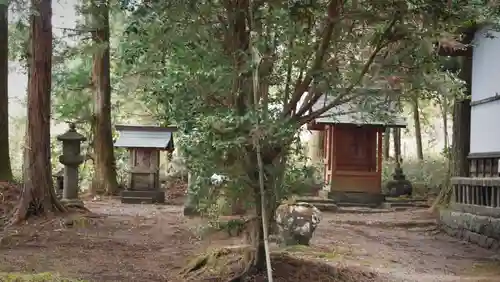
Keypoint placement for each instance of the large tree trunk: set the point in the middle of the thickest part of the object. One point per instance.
(104, 162)
(38, 196)
(271, 157)
(418, 129)
(5, 167)
(461, 123)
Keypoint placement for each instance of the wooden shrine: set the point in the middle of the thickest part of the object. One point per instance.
(144, 144)
(353, 150)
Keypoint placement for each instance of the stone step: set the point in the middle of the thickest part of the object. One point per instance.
(354, 205)
(138, 197)
(326, 207)
(315, 201)
(405, 204)
(137, 200)
(328, 203)
(130, 193)
(403, 200)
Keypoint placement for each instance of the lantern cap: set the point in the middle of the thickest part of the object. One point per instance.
(71, 135)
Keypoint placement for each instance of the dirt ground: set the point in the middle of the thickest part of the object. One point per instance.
(143, 243)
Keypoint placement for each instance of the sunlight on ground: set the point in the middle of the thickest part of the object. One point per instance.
(40, 277)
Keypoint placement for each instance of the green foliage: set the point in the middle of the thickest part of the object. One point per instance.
(71, 90)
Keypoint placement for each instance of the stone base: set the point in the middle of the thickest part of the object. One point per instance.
(143, 197)
(398, 188)
(480, 230)
(356, 198)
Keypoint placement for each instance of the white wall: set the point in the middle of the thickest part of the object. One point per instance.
(486, 65)
(485, 134)
(485, 131)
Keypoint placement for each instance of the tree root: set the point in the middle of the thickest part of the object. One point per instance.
(230, 263)
(29, 206)
(78, 207)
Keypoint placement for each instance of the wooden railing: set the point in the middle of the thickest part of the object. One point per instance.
(484, 165)
(476, 191)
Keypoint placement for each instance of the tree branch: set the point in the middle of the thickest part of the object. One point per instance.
(341, 98)
(333, 13)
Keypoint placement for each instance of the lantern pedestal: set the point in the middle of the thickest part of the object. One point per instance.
(71, 159)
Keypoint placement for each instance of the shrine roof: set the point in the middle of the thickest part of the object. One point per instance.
(372, 108)
(134, 136)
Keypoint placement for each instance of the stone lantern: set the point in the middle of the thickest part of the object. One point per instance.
(71, 159)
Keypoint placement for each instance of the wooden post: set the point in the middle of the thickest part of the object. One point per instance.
(487, 168)
(498, 196)
(333, 152)
(379, 155)
(467, 195)
(328, 148)
(131, 164)
(454, 193)
(463, 193)
(476, 195)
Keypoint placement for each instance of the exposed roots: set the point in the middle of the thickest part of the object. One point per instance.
(76, 206)
(226, 263)
(231, 263)
(29, 205)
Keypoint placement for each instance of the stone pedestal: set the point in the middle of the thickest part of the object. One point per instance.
(71, 189)
(71, 159)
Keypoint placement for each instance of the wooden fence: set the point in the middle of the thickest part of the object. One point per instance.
(484, 191)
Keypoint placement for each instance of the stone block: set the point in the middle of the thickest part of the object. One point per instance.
(485, 225)
(143, 197)
(361, 198)
(479, 230)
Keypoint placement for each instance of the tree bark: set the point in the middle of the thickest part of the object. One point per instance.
(461, 122)
(38, 195)
(5, 166)
(387, 143)
(269, 159)
(418, 129)
(104, 163)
